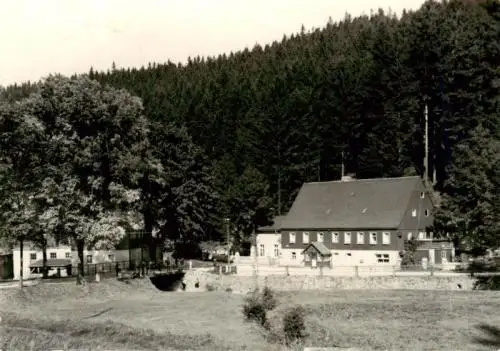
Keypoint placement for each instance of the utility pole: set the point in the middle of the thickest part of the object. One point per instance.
(255, 253)
(21, 268)
(129, 250)
(256, 259)
(279, 180)
(426, 172)
(426, 145)
(228, 245)
(434, 172)
(279, 192)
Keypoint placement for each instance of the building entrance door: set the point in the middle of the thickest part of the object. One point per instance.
(444, 257)
(432, 256)
(314, 259)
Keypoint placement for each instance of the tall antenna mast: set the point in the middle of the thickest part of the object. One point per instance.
(279, 180)
(426, 152)
(434, 171)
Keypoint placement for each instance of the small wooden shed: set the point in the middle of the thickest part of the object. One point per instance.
(316, 254)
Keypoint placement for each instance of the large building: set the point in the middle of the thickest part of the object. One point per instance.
(361, 222)
(60, 257)
(269, 249)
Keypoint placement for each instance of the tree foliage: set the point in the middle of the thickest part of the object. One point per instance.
(288, 110)
(78, 166)
(69, 151)
(470, 205)
(177, 191)
(249, 202)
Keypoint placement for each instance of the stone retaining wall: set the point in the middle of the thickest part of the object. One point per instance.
(241, 284)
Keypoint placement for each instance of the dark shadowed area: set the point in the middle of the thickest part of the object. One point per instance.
(168, 281)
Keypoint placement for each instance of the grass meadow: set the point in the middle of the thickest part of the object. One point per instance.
(117, 315)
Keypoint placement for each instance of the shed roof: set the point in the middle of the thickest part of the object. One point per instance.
(319, 247)
(52, 262)
(364, 203)
(277, 222)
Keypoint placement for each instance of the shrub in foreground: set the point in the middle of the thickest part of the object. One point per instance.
(257, 305)
(268, 299)
(254, 310)
(487, 283)
(294, 325)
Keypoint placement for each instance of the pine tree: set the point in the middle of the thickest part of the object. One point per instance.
(251, 207)
(177, 189)
(357, 86)
(470, 204)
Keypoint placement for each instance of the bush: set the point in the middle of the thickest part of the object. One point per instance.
(268, 299)
(487, 283)
(254, 309)
(257, 305)
(294, 325)
(481, 265)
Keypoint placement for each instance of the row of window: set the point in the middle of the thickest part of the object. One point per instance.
(381, 258)
(67, 255)
(52, 255)
(421, 236)
(360, 238)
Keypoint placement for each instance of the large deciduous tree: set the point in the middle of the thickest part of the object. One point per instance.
(97, 137)
(90, 145)
(21, 139)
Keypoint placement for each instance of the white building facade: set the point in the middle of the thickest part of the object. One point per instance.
(33, 254)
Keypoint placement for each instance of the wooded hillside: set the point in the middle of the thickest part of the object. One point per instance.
(270, 118)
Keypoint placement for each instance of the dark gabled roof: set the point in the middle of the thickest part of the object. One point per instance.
(320, 248)
(277, 221)
(51, 262)
(365, 203)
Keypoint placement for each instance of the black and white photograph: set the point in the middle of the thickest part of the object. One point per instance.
(280, 175)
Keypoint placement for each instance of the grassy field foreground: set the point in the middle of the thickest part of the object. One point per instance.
(115, 315)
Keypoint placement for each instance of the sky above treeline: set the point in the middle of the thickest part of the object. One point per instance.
(69, 36)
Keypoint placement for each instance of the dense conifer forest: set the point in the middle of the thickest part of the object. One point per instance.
(269, 118)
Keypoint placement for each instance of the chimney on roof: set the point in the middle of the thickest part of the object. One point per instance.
(345, 177)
